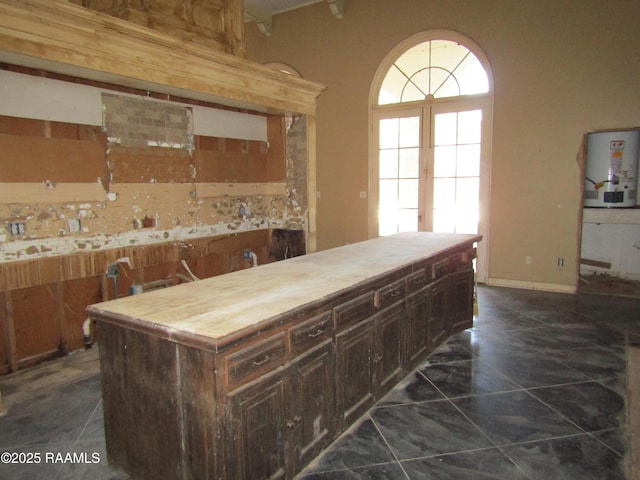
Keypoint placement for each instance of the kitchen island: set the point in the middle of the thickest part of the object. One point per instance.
(250, 375)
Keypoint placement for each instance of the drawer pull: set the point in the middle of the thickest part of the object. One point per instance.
(317, 333)
(291, 423)
(264, 360)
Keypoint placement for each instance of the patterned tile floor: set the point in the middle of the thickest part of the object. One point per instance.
(536, 390)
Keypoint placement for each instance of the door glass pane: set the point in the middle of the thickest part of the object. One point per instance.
(444, 162)
(399, 169)
(408, 193)
(389, 133)
(407, 220)
(444, 193)
(469, 127)
(388, 194)
(409, 133)
(445, 133)
(443, 221)
(388, 167)
(466, 194)
(456, 171)
(409, 163)
(387, 221)
(468, 160)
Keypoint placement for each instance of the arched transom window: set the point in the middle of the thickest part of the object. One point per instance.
(437, 68)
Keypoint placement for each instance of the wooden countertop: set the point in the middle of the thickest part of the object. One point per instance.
(224, 305)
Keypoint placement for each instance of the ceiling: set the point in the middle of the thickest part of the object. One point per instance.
(274, 7)
(262, 11)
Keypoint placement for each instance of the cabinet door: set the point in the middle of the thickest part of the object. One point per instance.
(390, 324)
(313, 384)
(417, 341)
(257, 422)
(461, 300)
(439, 318)
(354, 373)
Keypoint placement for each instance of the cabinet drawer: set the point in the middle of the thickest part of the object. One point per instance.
(441, 268)
(256, 359)
(417, 280)
(310, 332)
(390, 294)
(354, 310)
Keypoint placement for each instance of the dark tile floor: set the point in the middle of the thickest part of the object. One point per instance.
(535, 391)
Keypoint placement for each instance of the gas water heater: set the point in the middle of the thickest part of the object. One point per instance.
(611, 178)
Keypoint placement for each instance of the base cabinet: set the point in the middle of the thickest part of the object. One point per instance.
(418, 344)
(313, 403)
(354, 372)
(388, 348)
(284, 420)
(461, 300)
(276, 399)
(439, 316)
(258, 422)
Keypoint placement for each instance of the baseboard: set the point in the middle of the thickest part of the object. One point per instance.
(547, 287)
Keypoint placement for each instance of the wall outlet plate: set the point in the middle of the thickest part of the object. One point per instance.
(17, 228)
(74, 225)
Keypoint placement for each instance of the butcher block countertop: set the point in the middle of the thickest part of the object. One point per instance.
(222, 307)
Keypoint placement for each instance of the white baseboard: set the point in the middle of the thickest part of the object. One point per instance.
(547, 287)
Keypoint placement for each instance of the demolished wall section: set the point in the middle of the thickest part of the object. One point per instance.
(75, 198)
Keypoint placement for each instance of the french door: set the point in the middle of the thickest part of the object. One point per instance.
(432, 168)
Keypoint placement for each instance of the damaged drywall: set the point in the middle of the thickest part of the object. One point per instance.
(156, 180)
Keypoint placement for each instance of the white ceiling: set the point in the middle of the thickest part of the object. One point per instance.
(262, 11)
(277, 6)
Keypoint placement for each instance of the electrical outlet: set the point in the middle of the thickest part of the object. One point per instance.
(73, 224)
(527, 259)
(18, 228)
(560, 262)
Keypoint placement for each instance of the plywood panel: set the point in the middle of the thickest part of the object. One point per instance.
(231, 160)
(77, 294)
(19, 192)
(153, 164)
(35, 159)
(35, 313)
(21, 126)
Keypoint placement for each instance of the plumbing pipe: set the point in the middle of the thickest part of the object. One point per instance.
(248, 254)
(86, 333)
(186, 266)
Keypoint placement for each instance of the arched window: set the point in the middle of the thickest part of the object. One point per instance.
(436, 68)
(430, 106)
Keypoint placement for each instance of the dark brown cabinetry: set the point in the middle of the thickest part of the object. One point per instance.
(283, 390)
(354, 374)
(313, 403)
(258, 424)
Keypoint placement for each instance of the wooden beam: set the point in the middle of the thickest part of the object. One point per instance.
(58, 36)
(595, 263)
